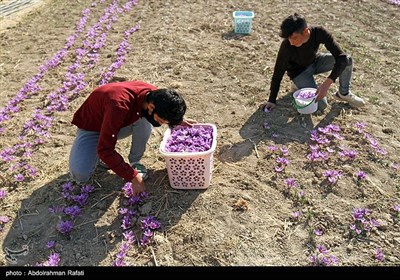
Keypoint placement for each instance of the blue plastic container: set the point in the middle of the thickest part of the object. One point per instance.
(243, 21)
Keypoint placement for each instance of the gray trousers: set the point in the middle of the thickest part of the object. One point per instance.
(83, 157)
(324, 64)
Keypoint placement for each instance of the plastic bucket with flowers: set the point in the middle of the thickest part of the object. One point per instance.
(188, 153)
(305, 100)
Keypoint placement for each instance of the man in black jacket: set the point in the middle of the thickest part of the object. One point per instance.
(298, 56)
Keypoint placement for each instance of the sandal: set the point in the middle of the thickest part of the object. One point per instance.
(141, 169)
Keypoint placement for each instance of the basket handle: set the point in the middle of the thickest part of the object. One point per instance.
(301, 107)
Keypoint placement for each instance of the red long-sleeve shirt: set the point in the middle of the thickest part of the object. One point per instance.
(109, 108)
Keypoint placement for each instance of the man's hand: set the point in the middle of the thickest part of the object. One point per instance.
(188, 122)
(322, 90)
(267, 106)
(138, 185)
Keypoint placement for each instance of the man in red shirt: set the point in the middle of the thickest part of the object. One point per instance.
(115, 111)
(298, 56)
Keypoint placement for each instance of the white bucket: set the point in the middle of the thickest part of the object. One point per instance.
(305, 105)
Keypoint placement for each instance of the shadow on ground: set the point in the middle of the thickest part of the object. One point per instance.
(97, 231)
(283, 125)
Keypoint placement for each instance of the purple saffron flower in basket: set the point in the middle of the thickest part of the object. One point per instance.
(306, 94)
(190, 139)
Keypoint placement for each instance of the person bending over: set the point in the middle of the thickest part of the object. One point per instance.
(298, 56)
(115, 111)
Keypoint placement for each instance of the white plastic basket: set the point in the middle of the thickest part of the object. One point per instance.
(189, 170)
(243, 21)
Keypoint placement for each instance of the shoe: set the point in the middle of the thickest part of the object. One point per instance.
(103, 165)
(350, 98)
(141, 169)
(322, 104)
(293, 87)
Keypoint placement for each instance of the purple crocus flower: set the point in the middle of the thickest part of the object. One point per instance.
(81, 198)
(332, 175)
(296, 214)
(151, 223)
(4, 219)
(3, 193)
(361, 175)
(67, 187)
(360, 127)
(322, 249)
(50, 244)
(65, 226)
(284, 150)
(266, 125)
(54, 259)
(282, 160)
(19, 177)
(379, 255)
(87, 189)
(73, 211)
(272, 148)
(395, 166)
(279, 169)
(290, 182)
(318, 232)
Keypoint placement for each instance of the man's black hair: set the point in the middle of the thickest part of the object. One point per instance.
(169, 105)
(292, 24)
